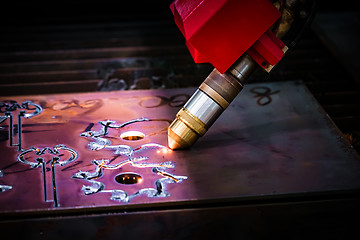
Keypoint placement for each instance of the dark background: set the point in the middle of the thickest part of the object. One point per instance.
(83, 46)
(75, 46)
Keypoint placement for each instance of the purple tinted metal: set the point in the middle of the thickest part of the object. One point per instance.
(286, 146)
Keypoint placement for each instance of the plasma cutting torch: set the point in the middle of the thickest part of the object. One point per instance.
(237, 37)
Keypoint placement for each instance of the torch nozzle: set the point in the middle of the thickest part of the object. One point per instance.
(208, 102)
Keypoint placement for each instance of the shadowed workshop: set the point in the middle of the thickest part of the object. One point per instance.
(179, 119)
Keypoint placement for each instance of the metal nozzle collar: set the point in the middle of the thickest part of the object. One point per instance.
(193, 120)
(202, 109)
(208, 102)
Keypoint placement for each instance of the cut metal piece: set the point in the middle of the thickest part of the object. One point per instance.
(39, 161)
(286, 149)
(7, 107)
(131, 178)
(104, 143)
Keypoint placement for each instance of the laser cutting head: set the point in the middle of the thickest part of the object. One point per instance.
(235, 37)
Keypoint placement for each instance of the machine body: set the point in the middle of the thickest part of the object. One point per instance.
(234, 37)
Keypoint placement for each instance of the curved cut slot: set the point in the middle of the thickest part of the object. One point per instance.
(132, 135)
(128, 178)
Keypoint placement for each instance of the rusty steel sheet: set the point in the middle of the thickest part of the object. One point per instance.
(273, 140)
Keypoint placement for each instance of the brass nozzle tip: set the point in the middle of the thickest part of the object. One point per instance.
(173, 144)
(180, 136)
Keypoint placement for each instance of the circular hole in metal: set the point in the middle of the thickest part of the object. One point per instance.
(132, 135)
(128, 178)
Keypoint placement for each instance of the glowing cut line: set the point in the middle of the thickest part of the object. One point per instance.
(100, 142)
(121, 195)
(133, 162)
(102, 164)
(103, 143)
(165, 174)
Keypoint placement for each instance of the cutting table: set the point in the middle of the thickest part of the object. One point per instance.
(97, 165)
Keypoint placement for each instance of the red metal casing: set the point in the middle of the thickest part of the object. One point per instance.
(220, 31)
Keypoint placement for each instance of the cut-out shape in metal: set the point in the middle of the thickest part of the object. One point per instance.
(103, 143)
(10, 106)
(132, 135)
(58, 151)
(128, 178)
(94, 188)
(158, 191)
(100, 142)
(120, 195)
(4, 188)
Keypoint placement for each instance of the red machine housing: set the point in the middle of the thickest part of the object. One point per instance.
(220, 31)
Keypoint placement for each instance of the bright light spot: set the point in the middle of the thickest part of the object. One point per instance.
(132, 135)
(164, 150)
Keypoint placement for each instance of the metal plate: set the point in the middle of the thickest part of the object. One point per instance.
(274, 139)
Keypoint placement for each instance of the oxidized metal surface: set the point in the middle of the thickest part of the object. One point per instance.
(273, 139)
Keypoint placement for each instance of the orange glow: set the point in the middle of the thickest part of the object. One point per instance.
(132, 135)
(164, 150)
(167, 175)
(117, 166)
